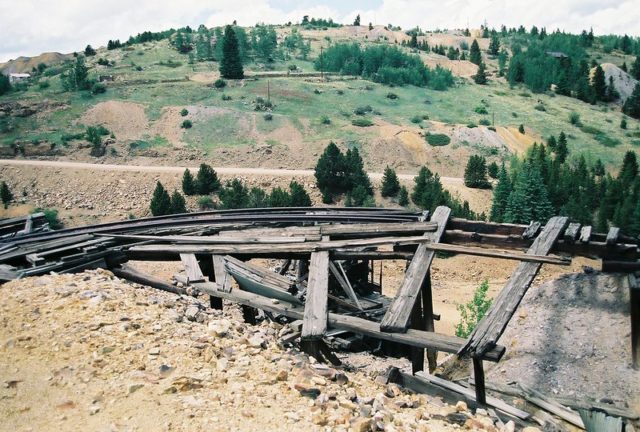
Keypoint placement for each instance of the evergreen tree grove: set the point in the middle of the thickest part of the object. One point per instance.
(631, 106)
(207, 180)
(500, 196)
(475, 173)
(231, 63)
(475, 56)
(599, 83)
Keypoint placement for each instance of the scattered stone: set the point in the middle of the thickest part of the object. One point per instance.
(154, 351)
(307, 390)
(282, 375)
(191, 313)
(135, 387)
(461, 406)
(94, 409)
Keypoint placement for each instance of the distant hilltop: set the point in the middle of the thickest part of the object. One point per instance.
(26, 64)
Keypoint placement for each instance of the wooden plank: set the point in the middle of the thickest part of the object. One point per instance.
(370, 255)
(192, 267)
(476, 251)
(491, 327)
(491, 401)
(315, 306)
(634, 302)
(428, 319)
(585, 234)
(532, 230)
(344, 283)
(478, 375)
(417, 323)
(612, 236)
(552, 406)
(397, 317)
(221, 275)
(572, 232)
(418, 338)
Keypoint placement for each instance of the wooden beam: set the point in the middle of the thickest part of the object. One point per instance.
(634, 301)
(585, 234)
(129, 273)
(315, 306)
(417, 338)
(478, 375)
(344, 283)
(192, 267)
(532, 230)
(612, 236)
(572, 232)
(221, 275)
(491, 327)
(476, 251)
(397, 317)
(428, 318)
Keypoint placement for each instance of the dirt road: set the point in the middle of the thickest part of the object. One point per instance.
(177, 169)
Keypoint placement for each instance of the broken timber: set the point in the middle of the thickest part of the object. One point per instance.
(397, 317)
(314, 324)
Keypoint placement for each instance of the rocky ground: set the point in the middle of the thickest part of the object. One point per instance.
(92, 352)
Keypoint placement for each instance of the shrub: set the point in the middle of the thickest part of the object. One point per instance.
(540, 107)
(362, 110)
(392, 96)
(416, 119)
(207, 180)
(226, 97)
(340, 92)
(325, 120)
(51, 215)
(206, 203)
(474, 311)
(403, 197)
(485, 122)
(481, 110)
(5, 194)
(438, 140)
(362, 122)
(472, 125)
(491, 128)
(220, 83)
(493, 170)
(623, 123)
(44, 85)
(390, 183)
(184, 112)
(574, 118)
(98, 88)
(268, 116)
(186, 124)
(521, 129)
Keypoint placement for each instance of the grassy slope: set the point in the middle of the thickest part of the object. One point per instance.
(296, 101)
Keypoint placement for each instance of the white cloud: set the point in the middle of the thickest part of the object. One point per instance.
(29, 27)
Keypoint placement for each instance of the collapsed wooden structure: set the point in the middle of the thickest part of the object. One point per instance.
(325, 277)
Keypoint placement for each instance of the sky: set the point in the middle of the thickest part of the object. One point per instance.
(30, 27)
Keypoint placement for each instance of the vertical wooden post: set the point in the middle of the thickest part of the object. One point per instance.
(634, 301)
(206, 265)
(478, 375)
(427, 311)
(417, 323)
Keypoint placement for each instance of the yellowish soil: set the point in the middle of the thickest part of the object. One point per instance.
(516, 142)
(126, 120)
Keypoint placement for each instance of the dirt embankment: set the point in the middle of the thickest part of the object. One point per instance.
(90, 352)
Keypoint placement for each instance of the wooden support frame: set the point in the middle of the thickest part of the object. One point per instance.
(314, 324)
(491, 327)
(397, 317)
(634, 300)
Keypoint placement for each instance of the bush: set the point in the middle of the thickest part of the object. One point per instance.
(184, 112)
(220, 83)
(521, 129)
(325, 120)
(472, 125)
(574, 118)
(540, 107)
(362, 110)
(44, 85)
(493, 170)
(438, 140)
(474, 311)
(51, 215)
(186, 124)
(226, 97)
(392, 96)
(98, 88)
(362, 122)
(485, 122)
(268, 116)
(416, 119)
(475, 173)
(623, 123)
(481, 110)
(206, 203)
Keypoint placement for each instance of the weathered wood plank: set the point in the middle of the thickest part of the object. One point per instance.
(397, 317)
(315, 306)
(129, 273)
(429, 318)
(634, 297)
(572, 232)
(585, 234)
(344, 283)
(192, 267)
(612, 236)
(222, 277)
(532, 230)
(417, 338)
(491, 327)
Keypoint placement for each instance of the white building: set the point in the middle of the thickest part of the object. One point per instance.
(16, 77)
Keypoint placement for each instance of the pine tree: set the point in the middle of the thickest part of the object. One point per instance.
(481, 76)
(475, 173)
(624, 67)
(403, 197)
(635, 68)
(414, 40)
(390, 183)
(207, 180)
(5, 84)
(529, 199)
(231, 63)
(299, 196)
(561, 150)
(629, 170)
(89, 51)
(500, 196)
(494, 45)
(474, 54)
(279, 198)
(356, 175)
(599, 84)
(493, 169)
(502, 62)
(188, 183)
(5, 194)
(235, 195)
(356, 22)
(178, 204)
(623, 123)
(161, 201)
(330, 172)
(632, 104)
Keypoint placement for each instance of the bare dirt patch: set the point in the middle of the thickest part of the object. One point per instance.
(126, 120)
(168, 126)
(516, 142)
